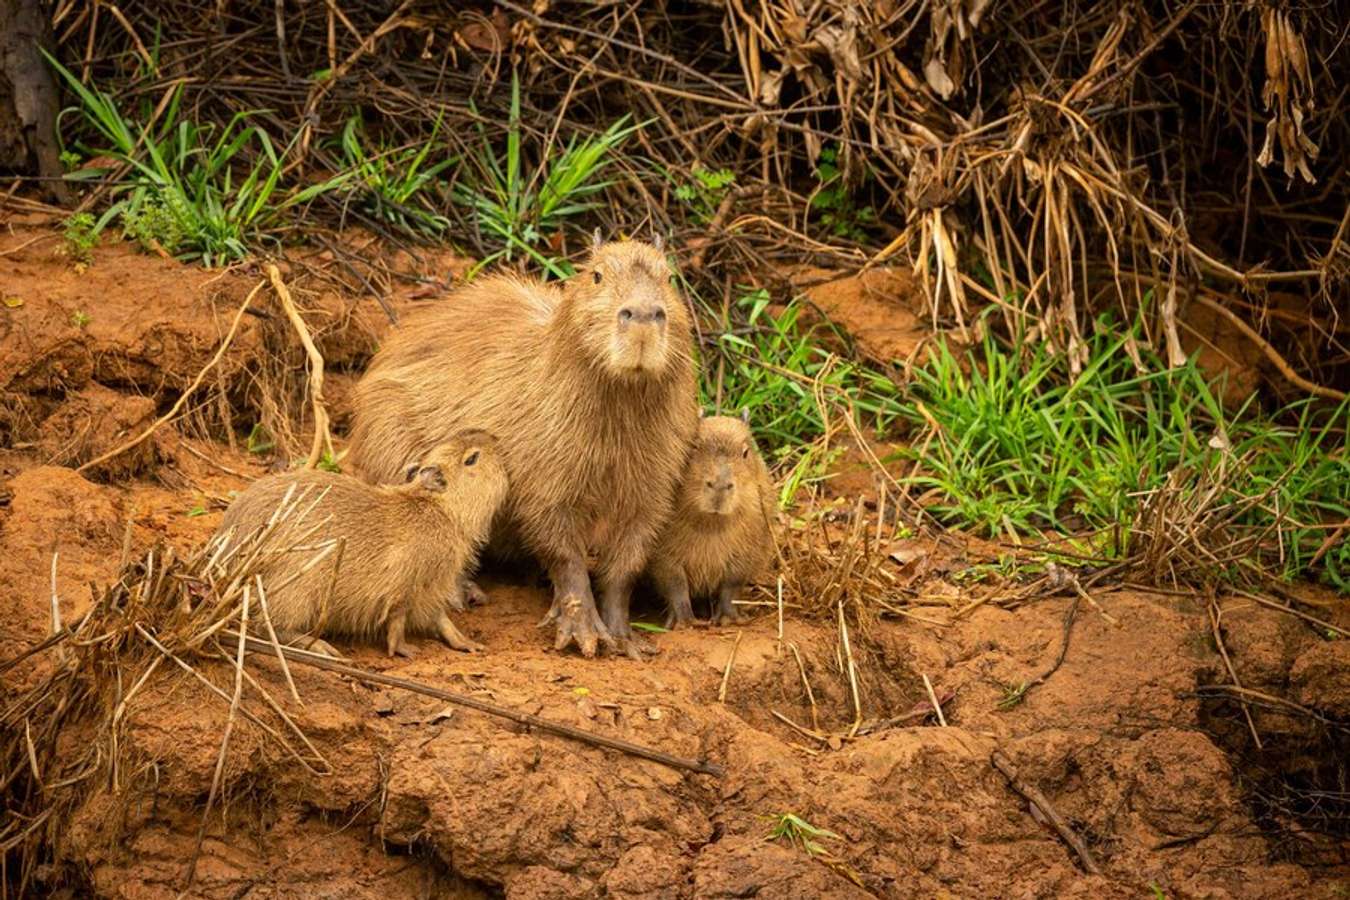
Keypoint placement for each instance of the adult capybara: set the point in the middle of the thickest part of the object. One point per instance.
(405, 548)
(720, 533)
(589, 386)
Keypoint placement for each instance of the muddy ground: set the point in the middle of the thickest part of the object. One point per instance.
(411, 798)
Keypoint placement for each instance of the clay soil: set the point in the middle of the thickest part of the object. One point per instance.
(414, 798)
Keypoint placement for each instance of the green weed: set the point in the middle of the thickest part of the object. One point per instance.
(258, 440)
(81, 236)
(396, 184)
(801, 833)
(518, 213)
(838, 211)
(1013, 448)
(1013, 695)
(705, 193)
(80, 319)
(195, 193)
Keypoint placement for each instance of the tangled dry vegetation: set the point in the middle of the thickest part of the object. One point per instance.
(1052, 159)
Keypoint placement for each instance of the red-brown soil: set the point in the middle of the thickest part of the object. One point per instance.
(416, 799)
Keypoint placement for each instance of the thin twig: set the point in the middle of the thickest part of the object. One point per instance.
(932, 698)
(1034, 796)
(329, 664)
(726, 673)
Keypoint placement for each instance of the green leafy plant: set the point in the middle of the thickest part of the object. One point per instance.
(396, 184)
(79, 319)
(258, 440)
(81, 236)
(800, 833)
(327, 463)
(1012, 447)
(195, 193)
(518, 213)
(834, 202)
(704, 194)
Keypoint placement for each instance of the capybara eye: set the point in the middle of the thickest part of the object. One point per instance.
(597, 276)
(625, 315)
(660, 315)
(471, 458)
(745, 452)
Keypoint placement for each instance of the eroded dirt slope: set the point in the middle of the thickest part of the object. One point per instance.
(410, 798)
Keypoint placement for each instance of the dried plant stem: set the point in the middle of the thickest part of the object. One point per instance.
(1270, 352)
(726, 674)
(932, 698)
(806, 683)
(272, 636)
(852, 670)
(322, 438)
(224, 741)
(1215, 614)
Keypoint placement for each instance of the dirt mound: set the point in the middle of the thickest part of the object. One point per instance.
(95, 421)
(879, 309)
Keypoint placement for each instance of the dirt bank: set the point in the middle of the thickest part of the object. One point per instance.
(404, 796)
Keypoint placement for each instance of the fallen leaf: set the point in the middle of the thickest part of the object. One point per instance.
(13, 302)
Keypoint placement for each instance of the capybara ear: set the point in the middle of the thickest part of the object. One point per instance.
(745, 414)
(659, 242)
(411, 473)
(431, 478)
(596, 239)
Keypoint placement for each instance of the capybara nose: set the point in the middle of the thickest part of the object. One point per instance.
(641, 315)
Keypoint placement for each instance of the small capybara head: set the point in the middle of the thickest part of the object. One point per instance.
(723, 468)
(466, 471)
(632, 321)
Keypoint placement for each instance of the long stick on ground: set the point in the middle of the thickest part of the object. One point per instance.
(322, 438)
(329, 664)
(183, 398)
(1035, 797)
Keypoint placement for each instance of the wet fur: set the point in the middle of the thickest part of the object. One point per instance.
(407, 545)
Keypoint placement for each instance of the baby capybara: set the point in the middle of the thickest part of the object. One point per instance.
(407, 546)
(589, 386)
(719, 534)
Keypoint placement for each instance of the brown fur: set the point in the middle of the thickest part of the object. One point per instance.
(590, 387)
(719, 536)
(407, 547)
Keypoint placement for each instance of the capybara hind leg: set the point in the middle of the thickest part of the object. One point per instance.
(726, 612)
(453, 637)
(395, 642)
(573, 610)
(674, 588)
(307, 642)
(473, 594)
(614, 602)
